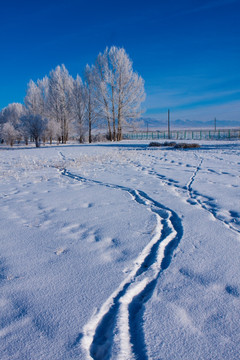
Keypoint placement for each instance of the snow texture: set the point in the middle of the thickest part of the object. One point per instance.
(120, 251)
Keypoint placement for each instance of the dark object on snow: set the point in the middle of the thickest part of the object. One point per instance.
(186, 146)
(154, 143)
(174, 145)
(169, 143)
(166, 143)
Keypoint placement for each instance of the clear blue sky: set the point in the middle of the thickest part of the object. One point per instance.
(187, 51)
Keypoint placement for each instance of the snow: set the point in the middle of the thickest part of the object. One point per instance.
(120, 251)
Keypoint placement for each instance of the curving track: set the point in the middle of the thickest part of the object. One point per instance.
(117, 326)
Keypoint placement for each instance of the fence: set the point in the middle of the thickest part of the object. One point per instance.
(220, 134)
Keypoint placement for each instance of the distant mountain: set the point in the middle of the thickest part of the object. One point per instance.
(153, 124)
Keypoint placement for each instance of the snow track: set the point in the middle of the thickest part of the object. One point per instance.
(189, 185)
(205, 202)
(193, 197)
(117, 326)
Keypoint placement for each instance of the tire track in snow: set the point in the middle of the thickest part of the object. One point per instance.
(117, 327)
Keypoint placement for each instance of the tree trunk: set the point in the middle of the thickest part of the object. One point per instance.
(81, 139)
(65, 130)
(113, 115)
(37, 142)
(90, 131)
(119, 133)
(109, 130)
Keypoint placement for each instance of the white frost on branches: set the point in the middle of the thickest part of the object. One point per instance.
(120, 89)
(110, 97)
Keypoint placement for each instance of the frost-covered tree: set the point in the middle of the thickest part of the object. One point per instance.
(129, 89)
(36, 97)
(43, 96)
(34, 126)
(9, 133)
(104, 95)
(78, 106)
(35, 103)
(112, 94)
(12, 114)
(120, 90)
(32, 98)
(10, 122)
(91, 112)
(60, 87)
(52, 130)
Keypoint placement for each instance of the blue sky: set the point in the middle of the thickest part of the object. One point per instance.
(187, 51)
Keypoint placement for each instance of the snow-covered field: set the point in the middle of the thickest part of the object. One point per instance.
(119, 251)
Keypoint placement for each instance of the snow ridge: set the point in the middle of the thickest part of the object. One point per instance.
(117, 326)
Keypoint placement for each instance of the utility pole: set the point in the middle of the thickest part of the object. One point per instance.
(147, 129)
(169, 124)
(215, 124)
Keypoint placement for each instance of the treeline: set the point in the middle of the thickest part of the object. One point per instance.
(59, 106)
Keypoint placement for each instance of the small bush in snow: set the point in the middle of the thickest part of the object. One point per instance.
(155, 144)
(166, 143)
(170, 143)
(186, 146)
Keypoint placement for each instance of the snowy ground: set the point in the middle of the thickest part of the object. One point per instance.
(120, 252)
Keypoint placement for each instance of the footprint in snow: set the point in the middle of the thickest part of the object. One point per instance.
(61, 250)
(232, 290)
(86, 205)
